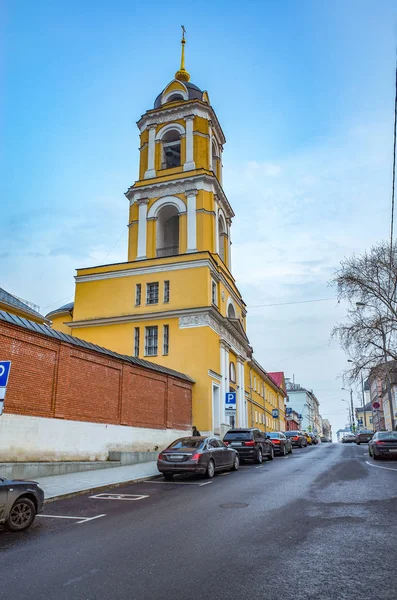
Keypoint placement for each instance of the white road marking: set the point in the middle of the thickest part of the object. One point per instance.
(223, 474)
(78, 519)
(109, 496)
(177, 482)
(261, 467)
(379, 467)
(205, 483)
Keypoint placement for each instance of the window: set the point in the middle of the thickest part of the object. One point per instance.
(136, 342)
(166, 291)
(167, 231)
(213, 444)
(175, 98)
(254, 383)
(231, 313)
(214, 293)
(171, 149)
(166, 338)
(232, 372)
(138, 293)
(151, 337)
(222, 237)
(152, 293)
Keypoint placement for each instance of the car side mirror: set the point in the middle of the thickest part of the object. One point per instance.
(268, 437)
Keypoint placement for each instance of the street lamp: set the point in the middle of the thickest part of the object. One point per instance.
(350, 413)
(388, 382)
(352, 409)
(362, 392)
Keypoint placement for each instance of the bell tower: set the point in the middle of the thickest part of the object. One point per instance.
(178, 205)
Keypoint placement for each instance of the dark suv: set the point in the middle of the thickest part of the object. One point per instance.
(251, 444)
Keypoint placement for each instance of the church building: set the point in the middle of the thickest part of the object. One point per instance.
(175, 301)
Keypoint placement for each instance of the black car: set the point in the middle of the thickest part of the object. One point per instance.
(197, 454)
(363, 436)
(281, 444)
(297, 438)
(251, 444)
(20, 501)
(383, 443)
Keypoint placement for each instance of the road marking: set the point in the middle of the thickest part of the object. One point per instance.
(223, 474)
(261, 467)
(78, 519)
(379, 467)
(205, 483)
(108, 496)
(177, 482)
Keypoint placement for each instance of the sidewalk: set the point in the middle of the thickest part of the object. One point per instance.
(56, 486)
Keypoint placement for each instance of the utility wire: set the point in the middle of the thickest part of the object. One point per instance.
(287, 303)
(394, 170)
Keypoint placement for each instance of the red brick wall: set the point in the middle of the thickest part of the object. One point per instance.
(50, 378)
(292, 425)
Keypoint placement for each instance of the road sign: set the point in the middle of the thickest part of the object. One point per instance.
(288, 410)
(375, 405)
(300, 417)
(309, 428)
(230, 404)
(5, 366)
(275, 413)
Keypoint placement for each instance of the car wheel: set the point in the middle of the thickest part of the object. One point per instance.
(290, 450)
(284, 452)
(301, 444)
(21, 515)
(236, 463)
(210, 470)
(259, 457)
(374, 456)
(271, 455)
(168, 476)
(358, 443)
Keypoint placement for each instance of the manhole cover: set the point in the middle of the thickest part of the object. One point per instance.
(234, 505)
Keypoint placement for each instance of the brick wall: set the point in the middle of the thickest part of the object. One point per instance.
(50, 378)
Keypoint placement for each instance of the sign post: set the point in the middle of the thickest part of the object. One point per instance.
(230, 404)
(5, 367)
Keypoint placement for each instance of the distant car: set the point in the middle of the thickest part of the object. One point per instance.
(349, 438)
(383, 443)
(281, 443)
(324, 439)
(20, 502)
(201, 455)
(363, 436)
(297, 438)
(308, 438)
(251, 444)
(314, 438)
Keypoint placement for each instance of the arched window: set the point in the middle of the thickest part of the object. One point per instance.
(171, 142)
(232, 372)
(175, 98)
(231, 313)
(222, 232)
(167, 238)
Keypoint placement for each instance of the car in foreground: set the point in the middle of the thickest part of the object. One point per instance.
(349, 438)
(197, 454)
(297, 438)
(20, 502)
(383, 443)
(363, 436)
(281, 444)
(250, 443)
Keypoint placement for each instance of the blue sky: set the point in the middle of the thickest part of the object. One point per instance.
(304, 92)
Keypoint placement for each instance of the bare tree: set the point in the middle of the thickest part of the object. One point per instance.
(368, 283)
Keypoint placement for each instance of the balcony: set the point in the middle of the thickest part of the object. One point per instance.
(167, 251)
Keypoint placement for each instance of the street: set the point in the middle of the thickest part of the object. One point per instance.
(319, 524)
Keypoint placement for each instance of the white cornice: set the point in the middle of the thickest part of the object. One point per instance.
(191, 264)
(201, 181)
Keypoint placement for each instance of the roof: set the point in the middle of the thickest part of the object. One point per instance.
(278, 378)
(367, 407)
(63, 337)
(194, 93)
(15, 302)
(65, 308)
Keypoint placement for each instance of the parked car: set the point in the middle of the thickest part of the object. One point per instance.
(297, 438)
(363, 436)
(251, 444)
(325, 440)
(20, 501)
(308, 438)
(281, 443)
(349, 438)
(314, 438)
(383, 443)
(198, 454)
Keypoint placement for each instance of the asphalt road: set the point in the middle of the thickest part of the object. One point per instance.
(320, 524)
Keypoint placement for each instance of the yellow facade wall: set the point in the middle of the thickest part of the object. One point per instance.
(58, 322)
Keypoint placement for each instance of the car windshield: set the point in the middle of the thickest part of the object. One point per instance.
(238, 435)
(193, 443)
(365, 431)
(291, 433)
(273, 434)
(388, 435)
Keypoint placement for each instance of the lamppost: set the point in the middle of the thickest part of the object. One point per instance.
(350, 413)
(352, 408)
(363, 395)
(388, 382)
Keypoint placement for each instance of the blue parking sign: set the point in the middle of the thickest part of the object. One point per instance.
(5, 366)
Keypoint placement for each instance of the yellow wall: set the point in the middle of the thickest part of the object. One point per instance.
(262, 397)
(58, 322)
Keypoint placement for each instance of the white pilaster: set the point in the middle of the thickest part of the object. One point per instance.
(216, 225)
(223, 391)
(226, 377)
(150, 172)
(210, 143)
(189, 163)
(229, 254)
(191, 221)
(142, 226)
(220, 166)
(241, 417)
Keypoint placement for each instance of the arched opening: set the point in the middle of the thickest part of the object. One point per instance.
(171, 149)
(222, 232)
(167, 238)
(231, 313)
(175, 98)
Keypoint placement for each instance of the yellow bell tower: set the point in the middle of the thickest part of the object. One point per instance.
(175, 301)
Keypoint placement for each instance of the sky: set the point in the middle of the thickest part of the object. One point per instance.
(304, 91)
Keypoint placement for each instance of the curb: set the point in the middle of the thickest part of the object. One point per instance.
(98, 488)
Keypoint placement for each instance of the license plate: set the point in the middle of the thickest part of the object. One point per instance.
(393, 450)
(177, 457)
(237, 444)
